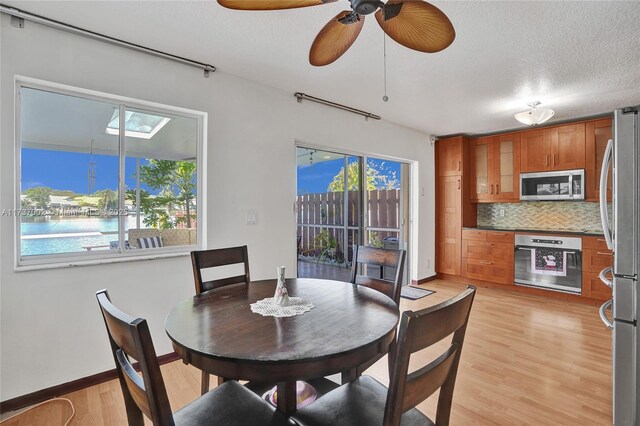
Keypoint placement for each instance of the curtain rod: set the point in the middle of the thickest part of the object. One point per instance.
(12, 11)
(366, 115)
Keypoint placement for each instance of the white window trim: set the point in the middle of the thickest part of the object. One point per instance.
(110, 256)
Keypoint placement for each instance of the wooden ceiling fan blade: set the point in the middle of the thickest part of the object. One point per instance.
(335, 38)
(270, 4)
(417, 25)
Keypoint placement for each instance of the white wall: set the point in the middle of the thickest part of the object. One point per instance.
(51, 329)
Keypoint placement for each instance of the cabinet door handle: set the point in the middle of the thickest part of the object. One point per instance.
(497, 188)
(459, 165)
(487, 244)
(491, 188)
(546, 160)
(604, 254)
(485, 262)
(554, 159)
(601, 239)
(458, 183)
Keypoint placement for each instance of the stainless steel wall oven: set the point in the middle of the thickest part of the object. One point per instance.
(549, 262)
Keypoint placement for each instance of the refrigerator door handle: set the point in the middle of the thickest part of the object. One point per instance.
(604, 174)
(604, 279)
(603, 314)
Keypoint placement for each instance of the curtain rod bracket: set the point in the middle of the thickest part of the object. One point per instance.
(367, 115)
(17, 22)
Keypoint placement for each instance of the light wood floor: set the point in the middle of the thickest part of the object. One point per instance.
(526, 360)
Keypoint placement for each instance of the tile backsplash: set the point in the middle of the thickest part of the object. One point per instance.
(551, 215)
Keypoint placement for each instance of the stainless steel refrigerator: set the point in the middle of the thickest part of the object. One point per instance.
(622, 232)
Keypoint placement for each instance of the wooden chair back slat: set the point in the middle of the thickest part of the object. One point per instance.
(437, 322)
(130, 338)
(384, 258)
(422, 383)
(384, 287)
(419, 330)
(119, 326)
(205, 259)
(211, 285)
(135, 383)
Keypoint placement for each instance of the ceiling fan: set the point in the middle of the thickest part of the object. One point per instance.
(415, 24)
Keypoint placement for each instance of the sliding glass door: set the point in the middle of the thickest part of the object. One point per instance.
(346, 200)
(386, 210)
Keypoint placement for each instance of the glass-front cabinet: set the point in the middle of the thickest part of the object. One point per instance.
(480, 168)
(494, 169)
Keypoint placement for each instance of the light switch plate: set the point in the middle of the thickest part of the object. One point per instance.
(251, 217)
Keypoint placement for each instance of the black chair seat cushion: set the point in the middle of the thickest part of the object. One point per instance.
(360, 402)
(230, 404)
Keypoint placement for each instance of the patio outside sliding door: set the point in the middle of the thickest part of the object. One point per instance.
(329, 213)
(387, 210)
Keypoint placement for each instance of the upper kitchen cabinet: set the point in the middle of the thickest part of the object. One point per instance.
(598, 133)
(554, 148)
(450, 157)
(480, 165)
(535, 148)
(495, 168)
(568, 147)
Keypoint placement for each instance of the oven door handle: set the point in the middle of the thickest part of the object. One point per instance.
(603, 313)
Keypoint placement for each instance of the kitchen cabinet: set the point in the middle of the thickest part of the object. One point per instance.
(553, 148)
(450, 156)
(495, 168)
(480, 164)
(450, 224)
(595, 257)
(535, 148)
(568, 147)
(488, 256)
(598, 133)
(453, 208)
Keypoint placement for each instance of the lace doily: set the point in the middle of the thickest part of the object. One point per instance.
(267, 308)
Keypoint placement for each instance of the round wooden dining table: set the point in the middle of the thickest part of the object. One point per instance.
(218, 333)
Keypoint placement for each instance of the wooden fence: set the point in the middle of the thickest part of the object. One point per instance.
(324, 212)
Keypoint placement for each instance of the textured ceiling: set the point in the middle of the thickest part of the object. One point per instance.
(579, 58)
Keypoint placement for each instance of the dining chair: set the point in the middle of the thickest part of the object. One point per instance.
(382, 258)
(366, 401)
(205, 259)
(146, 395)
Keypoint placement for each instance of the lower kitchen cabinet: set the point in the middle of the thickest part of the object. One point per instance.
(487, 270)
(488, 256)
(595, 257)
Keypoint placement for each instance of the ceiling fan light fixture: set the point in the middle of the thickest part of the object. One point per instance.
(535, 115)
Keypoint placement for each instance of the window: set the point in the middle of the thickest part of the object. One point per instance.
(89, 191)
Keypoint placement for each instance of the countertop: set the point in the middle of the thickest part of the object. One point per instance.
(588, 233)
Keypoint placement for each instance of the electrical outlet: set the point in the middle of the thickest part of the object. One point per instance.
(502, 213)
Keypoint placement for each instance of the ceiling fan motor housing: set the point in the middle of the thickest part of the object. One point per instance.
(365, 7)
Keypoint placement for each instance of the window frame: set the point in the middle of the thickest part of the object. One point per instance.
(90, 257)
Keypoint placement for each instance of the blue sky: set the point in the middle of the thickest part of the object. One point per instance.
(315, 178)
(68, 170)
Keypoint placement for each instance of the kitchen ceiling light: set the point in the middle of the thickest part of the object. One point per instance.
(535, 115)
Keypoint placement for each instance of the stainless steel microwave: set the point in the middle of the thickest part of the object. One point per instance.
(562, 185)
